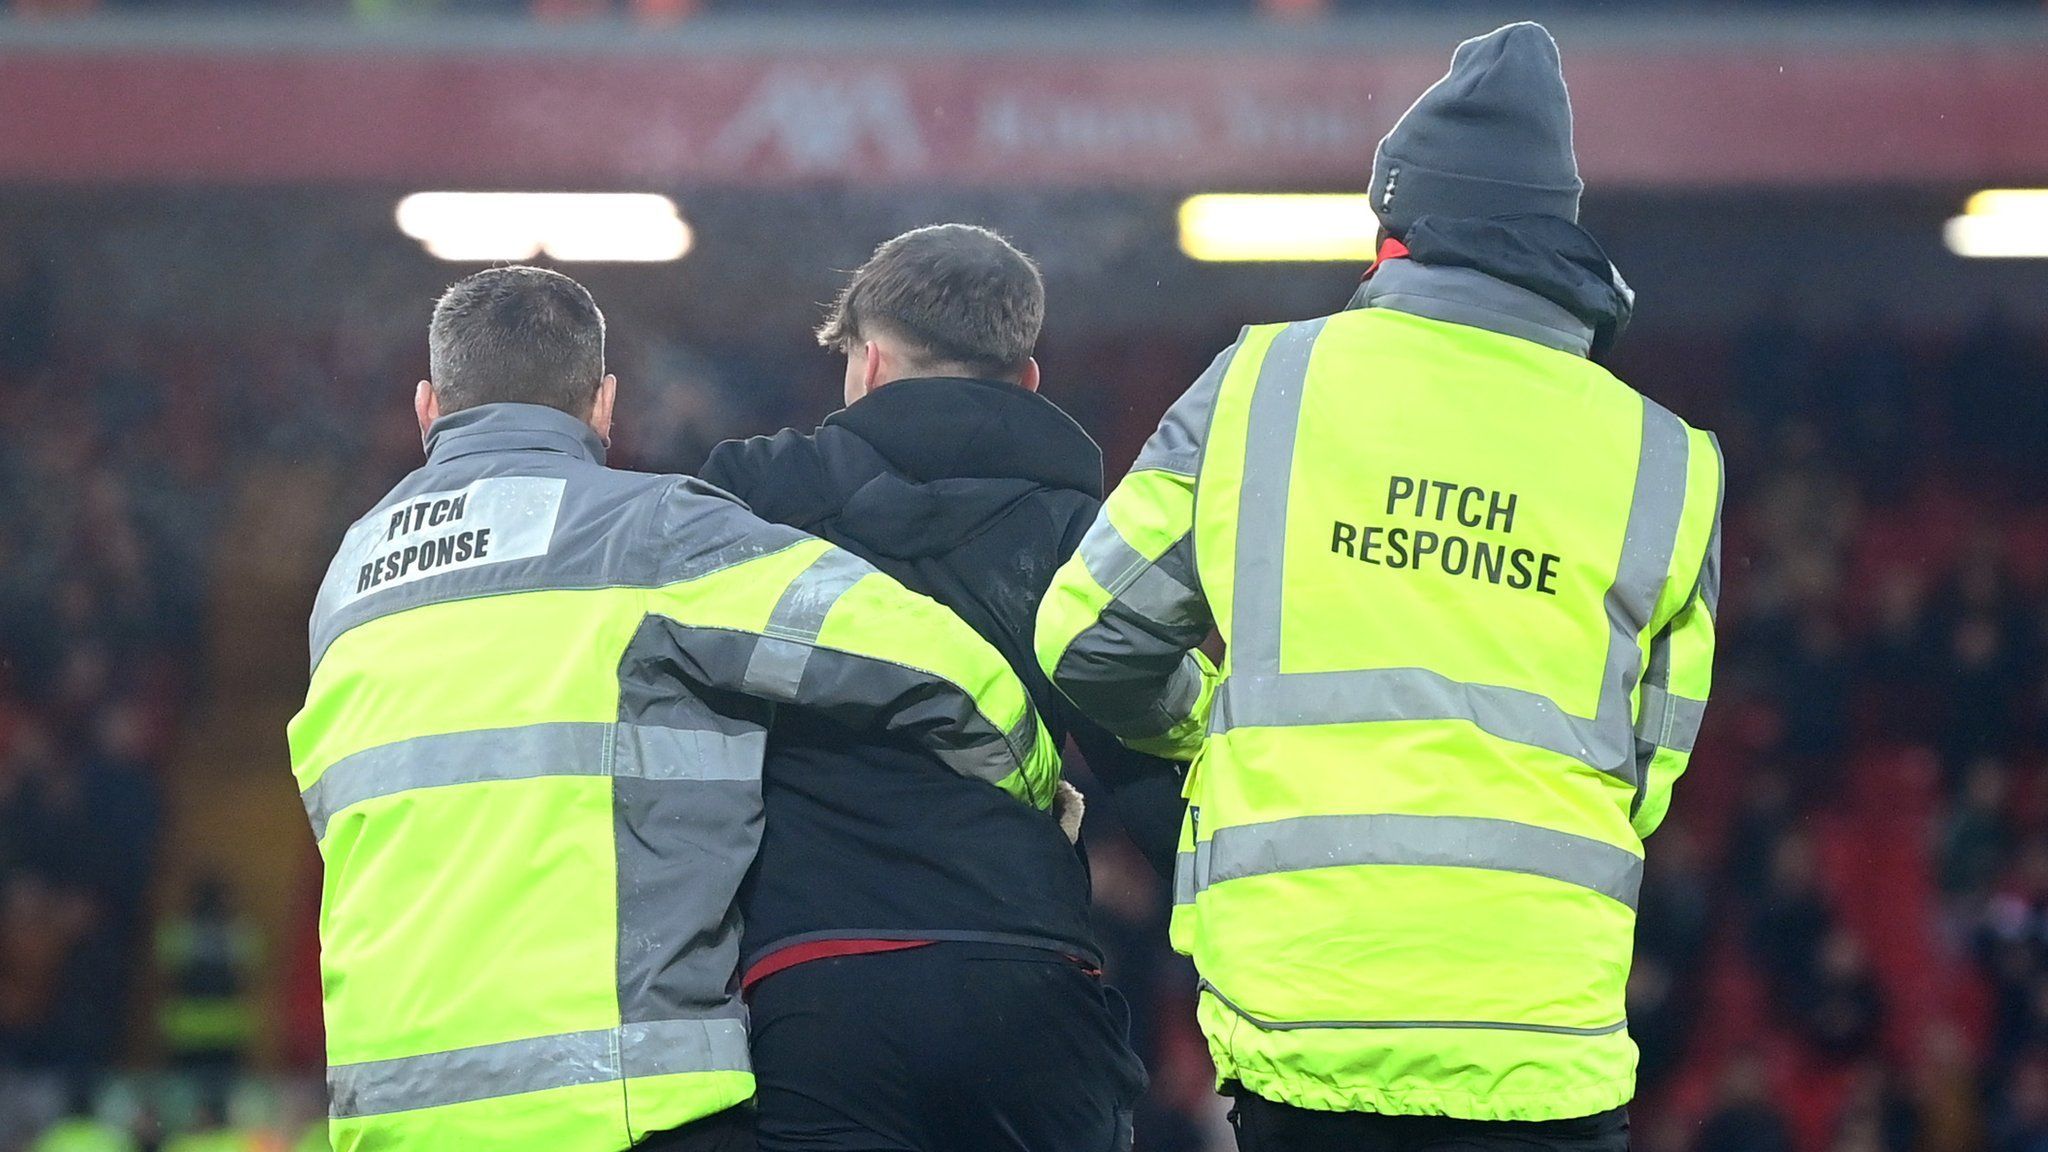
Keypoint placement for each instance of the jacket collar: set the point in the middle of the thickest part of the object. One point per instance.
(1539, 278)
(511, 428)
(954, 428)
(1466, 296)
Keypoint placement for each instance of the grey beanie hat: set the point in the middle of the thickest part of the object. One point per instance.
(1492, 138)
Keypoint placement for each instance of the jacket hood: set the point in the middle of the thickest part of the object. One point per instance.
(954, 428)
(962, 452)
(1549, 256)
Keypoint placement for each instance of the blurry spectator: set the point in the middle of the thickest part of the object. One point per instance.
(1814, 692)
(1974, 836)
(1660, 1017)
(1744, 1119)
(1671, 937)
(1790, 922)
(2022, 1122)
(1877, 1117)
(1895, 664)
(208, 961)
(1764, 819)
(1978, 638)
(1843, 1009)
(41, 927)
(2013, 945)
(1946, 1090)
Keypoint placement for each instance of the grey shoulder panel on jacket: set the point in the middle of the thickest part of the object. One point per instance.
(1183, 433)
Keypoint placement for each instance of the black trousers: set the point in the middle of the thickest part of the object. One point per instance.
(729, 1131)
(944, 1048)
(1264, 1126)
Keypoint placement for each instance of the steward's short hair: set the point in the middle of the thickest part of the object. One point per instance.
(957, 294)
(519, 335)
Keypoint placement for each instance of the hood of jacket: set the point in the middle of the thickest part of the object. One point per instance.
(1550, 281)
(959, 453)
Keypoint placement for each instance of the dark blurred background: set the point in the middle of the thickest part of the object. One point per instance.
(210, 324)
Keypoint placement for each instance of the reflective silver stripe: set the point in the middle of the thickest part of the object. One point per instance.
(1647, 547)
(1271, 429)
(1301, 843)
(1145, 587)
(605, 1055)
(1670, 721)
(1184, 886)
(1379, 694)
(556, 749)
(1485, 1025)
(776, 669)
(1710, 572)
(1183, 692)
(1258, 693)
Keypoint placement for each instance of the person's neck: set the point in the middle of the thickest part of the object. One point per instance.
(943, 372)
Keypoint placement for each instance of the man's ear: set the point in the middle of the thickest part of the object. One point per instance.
(874, 369)
(601, 410)
(1028, 381)
(426, 407)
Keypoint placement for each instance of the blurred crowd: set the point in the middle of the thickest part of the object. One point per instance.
(1844, 936)
(1844, 941)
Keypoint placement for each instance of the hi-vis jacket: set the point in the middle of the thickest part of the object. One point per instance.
(1466, 580)
(531, 753)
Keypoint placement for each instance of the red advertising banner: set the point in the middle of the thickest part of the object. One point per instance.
(1715, 115)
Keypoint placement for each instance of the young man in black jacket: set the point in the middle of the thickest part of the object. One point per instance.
(917, 948)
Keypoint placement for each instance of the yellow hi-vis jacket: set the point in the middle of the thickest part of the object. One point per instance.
(1466, 584)
(532, 752)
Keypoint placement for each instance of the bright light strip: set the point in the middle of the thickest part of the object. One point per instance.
(2001, 223)
(2008, 202)
(481, 227)
(1997, 237)
(1259, 227)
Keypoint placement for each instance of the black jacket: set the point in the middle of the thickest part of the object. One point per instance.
(974, 493)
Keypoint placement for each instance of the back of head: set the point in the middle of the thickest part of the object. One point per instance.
(1492, 138)
(516, 335)
(952, 296)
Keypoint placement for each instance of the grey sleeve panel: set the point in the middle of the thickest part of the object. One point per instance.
(1126, 685)
(863, 693)
(1710, 571)
(1165, 593)
(784, 664)
(1131, 670)
(1183, 433)
(913, 704)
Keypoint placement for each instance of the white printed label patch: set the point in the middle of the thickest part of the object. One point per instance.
(489, 522)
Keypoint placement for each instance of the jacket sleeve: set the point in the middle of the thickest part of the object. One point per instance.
(770, 613)
(1674, 692)
(773, 475)
(1145, 792)
(1118, 630)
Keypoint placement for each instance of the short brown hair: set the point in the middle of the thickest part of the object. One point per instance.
(517, 335)
(958, 294)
